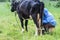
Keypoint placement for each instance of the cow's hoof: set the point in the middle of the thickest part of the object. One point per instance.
(36, 34)
(22, 30)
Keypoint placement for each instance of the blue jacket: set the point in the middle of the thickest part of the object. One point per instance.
(48, 17)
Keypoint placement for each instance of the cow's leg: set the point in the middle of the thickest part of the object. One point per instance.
(41, 16)
(34, 17)
(22, 24)
(39, 20)
(26, 23)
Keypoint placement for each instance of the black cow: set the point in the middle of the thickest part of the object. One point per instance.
(25, 8)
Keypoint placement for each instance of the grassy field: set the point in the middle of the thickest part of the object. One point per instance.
(11, 30)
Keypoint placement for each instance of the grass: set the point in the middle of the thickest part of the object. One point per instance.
(11, 30)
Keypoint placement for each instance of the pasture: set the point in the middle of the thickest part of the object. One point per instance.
(11, 30)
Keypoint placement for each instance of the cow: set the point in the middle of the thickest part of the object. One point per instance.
(25, 8)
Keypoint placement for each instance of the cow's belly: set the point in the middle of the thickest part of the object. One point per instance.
(27, 17)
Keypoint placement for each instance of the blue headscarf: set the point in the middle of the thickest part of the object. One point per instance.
(48, 17)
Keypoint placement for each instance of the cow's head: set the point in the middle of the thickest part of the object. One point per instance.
(14, 5)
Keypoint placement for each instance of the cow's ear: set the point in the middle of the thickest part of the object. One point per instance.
(16, 3)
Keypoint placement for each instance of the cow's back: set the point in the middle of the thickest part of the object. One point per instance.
(25, 7)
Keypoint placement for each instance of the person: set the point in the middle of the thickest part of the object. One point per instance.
(49, 22)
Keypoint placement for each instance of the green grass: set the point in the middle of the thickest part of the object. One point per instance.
(11, 30)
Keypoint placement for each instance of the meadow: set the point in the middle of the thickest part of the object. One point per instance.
(11, 30)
